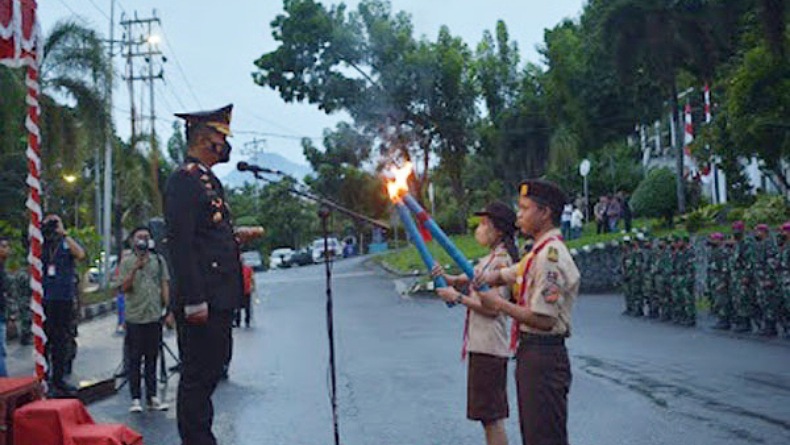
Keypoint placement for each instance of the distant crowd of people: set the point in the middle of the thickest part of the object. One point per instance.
(610, 210)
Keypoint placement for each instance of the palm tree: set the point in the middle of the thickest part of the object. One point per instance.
(73, 74)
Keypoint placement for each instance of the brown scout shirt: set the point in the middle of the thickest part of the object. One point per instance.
(553, 281)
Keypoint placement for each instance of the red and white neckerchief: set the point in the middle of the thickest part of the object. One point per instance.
(521, 300)
(465, 347)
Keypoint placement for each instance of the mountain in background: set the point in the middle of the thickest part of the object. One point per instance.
(268, 160)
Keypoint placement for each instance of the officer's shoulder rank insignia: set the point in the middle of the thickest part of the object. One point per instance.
(553, 254)
(191, 167)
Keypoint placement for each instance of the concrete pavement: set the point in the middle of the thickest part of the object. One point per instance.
(400, 380)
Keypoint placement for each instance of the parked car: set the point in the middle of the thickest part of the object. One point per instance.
(253, 259)
(335, 250)
(302, 257)
(281, 257)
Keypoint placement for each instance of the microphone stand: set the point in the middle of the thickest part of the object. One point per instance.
(324, 212)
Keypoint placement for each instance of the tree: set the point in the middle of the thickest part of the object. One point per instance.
(655, 197)
(339, 174)
(367, 63)
(757, 104)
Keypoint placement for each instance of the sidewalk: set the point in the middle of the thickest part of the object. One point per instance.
(99, 352)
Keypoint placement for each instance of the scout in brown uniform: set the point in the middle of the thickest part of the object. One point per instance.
(547, 283)
(485, 330)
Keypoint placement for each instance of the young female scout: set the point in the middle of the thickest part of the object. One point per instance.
(486, 331)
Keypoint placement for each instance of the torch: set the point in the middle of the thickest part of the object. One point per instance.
(396, 188)
(441, 237)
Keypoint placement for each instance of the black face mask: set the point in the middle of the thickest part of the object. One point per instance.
(222, 150)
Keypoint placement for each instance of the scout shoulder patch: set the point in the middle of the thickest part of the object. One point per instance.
(552, 254)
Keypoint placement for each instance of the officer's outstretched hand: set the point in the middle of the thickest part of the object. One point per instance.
(249, 233)
(196, 313)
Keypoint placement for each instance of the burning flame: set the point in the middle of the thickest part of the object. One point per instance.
(397, 185)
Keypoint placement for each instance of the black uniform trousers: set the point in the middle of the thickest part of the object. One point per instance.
(142, 342)
(204, 350)
(58, 321)
(543, 379)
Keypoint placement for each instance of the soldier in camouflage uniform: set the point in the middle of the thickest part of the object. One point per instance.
(719, 281)
(20, 305)
(637, 291)
(783, 240)
(741, 266)
(674, 280)
(662, 275)
(627, 265)
(649, 293)
(766, 274)
(688, 307)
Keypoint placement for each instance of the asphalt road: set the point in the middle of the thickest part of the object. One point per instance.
(400, 380)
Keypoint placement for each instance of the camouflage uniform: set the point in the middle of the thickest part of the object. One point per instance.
(719, 284)
(649, 293)
(766, 270)
(784, 276)
(19, 304)
(637, 292)
(627, 265)
(683, 310)
(662, 272)
(742, 290)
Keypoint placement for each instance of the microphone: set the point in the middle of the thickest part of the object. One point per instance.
(246, 167)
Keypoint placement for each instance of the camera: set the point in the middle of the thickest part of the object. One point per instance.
(50, 229)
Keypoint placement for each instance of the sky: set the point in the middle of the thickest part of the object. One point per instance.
(211, 47)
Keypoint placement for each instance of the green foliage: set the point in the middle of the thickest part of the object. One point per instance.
(736, 214)
(90, 240)
(656, 195)
(768, 209)
(758, 100)
(713, 214)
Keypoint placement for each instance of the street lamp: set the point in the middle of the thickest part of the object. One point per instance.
(71, 179)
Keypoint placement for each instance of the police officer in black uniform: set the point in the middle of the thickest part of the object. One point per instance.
(204, 252)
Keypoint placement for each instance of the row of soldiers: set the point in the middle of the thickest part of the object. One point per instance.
(658, 278)
(748, 279)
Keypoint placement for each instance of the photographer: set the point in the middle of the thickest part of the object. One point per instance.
(58, 256)
(144, 280)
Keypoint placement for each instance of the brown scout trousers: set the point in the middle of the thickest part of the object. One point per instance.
(543, 378)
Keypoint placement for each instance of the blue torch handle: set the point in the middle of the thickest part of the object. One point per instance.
(422, 249)
(442, 238)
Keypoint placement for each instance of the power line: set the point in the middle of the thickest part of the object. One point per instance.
(277, 135)
(101, 11)
(68, 7)
(180, 68)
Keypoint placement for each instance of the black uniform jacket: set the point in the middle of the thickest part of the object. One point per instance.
(202, 247)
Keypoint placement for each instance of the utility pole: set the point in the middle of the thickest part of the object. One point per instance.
(146, 47)
(106, 218)
(254, 148)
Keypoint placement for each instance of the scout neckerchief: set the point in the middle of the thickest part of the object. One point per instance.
(465, 347)
(524, 284)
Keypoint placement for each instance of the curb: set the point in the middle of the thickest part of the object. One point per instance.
(95, 310)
